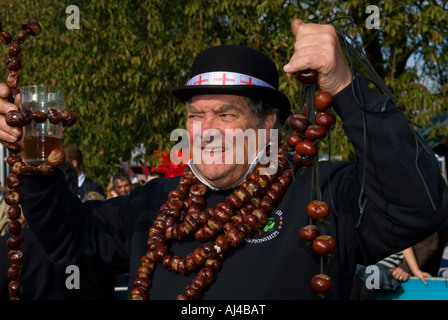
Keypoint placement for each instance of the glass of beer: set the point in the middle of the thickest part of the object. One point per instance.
(40, 137)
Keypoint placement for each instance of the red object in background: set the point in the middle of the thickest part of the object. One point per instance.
(166, 167)
(145, 169)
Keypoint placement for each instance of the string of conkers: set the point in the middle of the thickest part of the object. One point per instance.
(310, 127)
(19, 118)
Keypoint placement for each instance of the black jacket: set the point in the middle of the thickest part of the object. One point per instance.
(407, 200)
(43, 280)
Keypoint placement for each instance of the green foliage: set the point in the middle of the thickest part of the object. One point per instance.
(119, 67)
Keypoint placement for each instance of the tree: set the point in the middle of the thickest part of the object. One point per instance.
(119, 66)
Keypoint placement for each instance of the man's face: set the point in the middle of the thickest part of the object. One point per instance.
(216, 124)
(122, 187)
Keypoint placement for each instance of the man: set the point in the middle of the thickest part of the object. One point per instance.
(74, 156)
(121, 183)
(272, 263)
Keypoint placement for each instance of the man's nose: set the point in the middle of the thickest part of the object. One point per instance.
(207, 123)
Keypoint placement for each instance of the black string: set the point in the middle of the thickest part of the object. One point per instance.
(353, 50)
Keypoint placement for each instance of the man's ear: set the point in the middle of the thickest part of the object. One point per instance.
(269, 122)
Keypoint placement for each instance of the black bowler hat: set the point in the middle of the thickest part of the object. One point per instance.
(235, 70)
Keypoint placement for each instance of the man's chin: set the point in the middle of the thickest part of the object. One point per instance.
(223, 176)
(213, 172)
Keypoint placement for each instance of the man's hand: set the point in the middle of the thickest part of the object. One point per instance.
(317, 47)
(7, 134)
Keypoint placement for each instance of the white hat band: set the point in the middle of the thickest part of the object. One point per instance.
(225, 78)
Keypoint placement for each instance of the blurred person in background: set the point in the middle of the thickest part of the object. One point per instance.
(74, 156)
(122, 183)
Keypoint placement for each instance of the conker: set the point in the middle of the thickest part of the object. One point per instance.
(315, 132)
(198, 189)
(318, 209)
(243, 195)
(208, 251)
(221, 242)
(183, 230)
(306, 148)
(309, 232)
(14, 118)
(232, 235)
(14, 272)
(139, 293)
(252, 222)
(213, 264)
(21, 167)
(243, 231)
(324, 245)
(303, 161)
(26, 114)
(14, 242)
(45, 169)
(221, 214)
(13, 63)
(325, 119)
(16, 256)
(13, 147)
(144, 271)
(14, 288)
(145, 283)
(12, 79)
(69, 117)
(207, 275)
(323, 101)
(321, 283)
(14, 49)
(292, 140)
(14, 181)
(14, 228)
(254, 188)
(13, 197)
(261, 215)
(56, 157)
(25, 25)
(298, 122)
(39, 116)
(34, 28)
(5, 37)
(192, 293)
(267, 203)
(307, 76)
(14, 212)
(22, 35)
(200, 283)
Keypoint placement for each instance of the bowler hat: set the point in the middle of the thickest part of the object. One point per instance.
(237, 70)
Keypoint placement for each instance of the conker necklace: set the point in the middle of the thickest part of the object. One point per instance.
(244, 211)
(19, 118)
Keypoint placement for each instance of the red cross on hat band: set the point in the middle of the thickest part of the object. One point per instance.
(226, 78)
